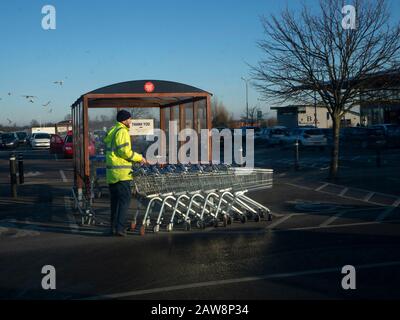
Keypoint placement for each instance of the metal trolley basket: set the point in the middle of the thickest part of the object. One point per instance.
(200, 195)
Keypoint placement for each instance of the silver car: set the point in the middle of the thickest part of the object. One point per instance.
(40, 141)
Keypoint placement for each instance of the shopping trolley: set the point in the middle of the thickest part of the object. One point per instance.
(203, 195)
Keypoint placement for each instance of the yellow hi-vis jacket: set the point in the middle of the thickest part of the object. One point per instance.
(119, 154)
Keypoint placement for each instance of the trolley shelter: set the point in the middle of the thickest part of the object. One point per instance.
(188, 105)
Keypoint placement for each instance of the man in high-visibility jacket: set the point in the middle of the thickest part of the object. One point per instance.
(119, 159)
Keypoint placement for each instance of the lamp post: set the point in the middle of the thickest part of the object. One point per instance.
(247, 98)
(315, 110)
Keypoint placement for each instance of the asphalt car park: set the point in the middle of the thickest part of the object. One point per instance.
(318, 227)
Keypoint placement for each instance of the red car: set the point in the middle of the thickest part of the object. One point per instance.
(65, 145)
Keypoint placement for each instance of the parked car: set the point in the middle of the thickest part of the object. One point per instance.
(307, 137)
(273, 136)
(40, 141)
(364, 137)
(387, 128)
(9, 140)
(22, 137)
(65, 147)
(393, 137)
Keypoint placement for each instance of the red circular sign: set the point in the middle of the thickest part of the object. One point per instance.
(149, 87)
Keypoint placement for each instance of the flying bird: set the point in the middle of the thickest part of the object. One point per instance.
(45, 105)
(31, 101)
(59, 82)
(51, 110)
(28, 97)
(9, 121)
(9, 93)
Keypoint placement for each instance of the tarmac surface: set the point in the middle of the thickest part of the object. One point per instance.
(318, 227)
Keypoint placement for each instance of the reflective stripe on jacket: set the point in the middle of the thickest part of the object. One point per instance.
(119, 154)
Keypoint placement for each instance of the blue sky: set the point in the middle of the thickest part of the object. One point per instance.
(202, 43)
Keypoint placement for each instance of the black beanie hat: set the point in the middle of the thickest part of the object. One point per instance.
(123, 115)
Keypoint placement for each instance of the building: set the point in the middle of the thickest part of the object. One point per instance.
(304, 115)
(380, 99)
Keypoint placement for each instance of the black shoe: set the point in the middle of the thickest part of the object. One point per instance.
(121, 234)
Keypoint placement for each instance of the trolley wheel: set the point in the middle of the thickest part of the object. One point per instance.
(257, 218)
(215, 223)
(269, 216)
(170, 227)
(230, 220)
(187, 226)
(156, 228)
(200, 224)
(225, 221)
(243, 218)
(142, 230)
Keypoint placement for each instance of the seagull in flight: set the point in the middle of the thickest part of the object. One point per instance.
(45, 105)
(9, 121)
(59, 82)
(31, 101)
(9, 93)
(51, 110)
(28, 97)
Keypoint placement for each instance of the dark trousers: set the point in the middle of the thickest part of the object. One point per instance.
(120, 195)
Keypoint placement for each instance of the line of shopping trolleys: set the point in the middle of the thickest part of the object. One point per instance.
(184, 196)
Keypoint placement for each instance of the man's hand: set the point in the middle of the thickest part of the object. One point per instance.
(144, 161)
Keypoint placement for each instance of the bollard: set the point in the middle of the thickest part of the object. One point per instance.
(13, 175)
(296, 155)
(21, 168)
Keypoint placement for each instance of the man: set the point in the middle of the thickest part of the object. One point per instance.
(119, 159)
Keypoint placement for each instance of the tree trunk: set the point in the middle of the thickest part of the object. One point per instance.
(335, 148)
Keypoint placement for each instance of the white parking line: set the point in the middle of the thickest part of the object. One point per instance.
(321, 187)
(274, 224)
(369, 196)
(385, 213)
(342, 193)
(396, 203)
(64, 178)
(331, 219)
(238, 280)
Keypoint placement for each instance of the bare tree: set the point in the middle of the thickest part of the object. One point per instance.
(252, 115)
(311, 57)
(220, 114)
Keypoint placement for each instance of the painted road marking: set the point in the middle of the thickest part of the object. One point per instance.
(321, 187)
(331, 219)
(64, 178)
(385, 213)
(274, 224)
(396, 203)
(238, 280)
(369, 196)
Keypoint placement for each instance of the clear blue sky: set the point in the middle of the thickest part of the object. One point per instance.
(202, 43)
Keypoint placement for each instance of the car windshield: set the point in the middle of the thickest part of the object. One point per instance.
(42, 136)
(68, 139)
(7, 136)
(21, 135)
